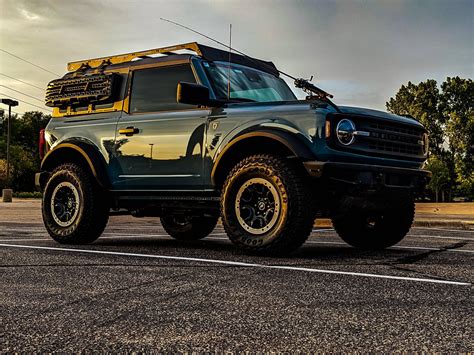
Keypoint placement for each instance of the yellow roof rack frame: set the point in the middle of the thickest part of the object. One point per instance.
(127, 57)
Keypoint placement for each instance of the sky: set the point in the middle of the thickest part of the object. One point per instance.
(361, 51)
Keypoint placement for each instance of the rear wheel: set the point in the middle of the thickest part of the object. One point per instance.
(188, 228)
(75, 210)
(265, 205)
(376, 228)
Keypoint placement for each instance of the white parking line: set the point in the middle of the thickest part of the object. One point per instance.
(243, 264)
(444, 229)
(437, 237)
(148, 235)
(226, 239)
(23, 239)
(33, 229)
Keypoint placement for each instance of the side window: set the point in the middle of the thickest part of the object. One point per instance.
(155, 89)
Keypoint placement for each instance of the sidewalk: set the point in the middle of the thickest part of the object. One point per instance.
(452, 214)
(458, 215)
(449, 215)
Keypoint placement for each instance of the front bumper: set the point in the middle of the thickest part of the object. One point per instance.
(369, 176)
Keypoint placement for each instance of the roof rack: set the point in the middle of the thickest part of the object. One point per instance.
(206, 52)
(127, 57)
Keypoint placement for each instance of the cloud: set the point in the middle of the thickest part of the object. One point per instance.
(359, 50)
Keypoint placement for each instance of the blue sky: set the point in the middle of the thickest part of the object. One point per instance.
(362, 51)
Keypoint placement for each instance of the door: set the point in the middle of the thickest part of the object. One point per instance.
(160, 143)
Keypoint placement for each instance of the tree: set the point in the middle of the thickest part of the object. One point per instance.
(422, 102)
(24, 155)
(448, 116)
(25, 130)
(457, 104)
(440, 177)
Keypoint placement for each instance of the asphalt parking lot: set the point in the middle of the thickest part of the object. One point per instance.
(136, 289)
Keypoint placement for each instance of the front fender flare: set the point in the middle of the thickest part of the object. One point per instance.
(290, 140)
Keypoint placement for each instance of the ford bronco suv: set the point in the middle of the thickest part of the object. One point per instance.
(188, 135)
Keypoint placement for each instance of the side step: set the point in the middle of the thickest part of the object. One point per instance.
(154, 205)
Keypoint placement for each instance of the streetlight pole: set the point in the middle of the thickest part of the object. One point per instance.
(7, 193)
(8, 143)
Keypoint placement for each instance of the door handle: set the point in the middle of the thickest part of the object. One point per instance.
(129, 131)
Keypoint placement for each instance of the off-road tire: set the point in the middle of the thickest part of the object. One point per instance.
(192, 228)
(295, 219)
(93, 207)
(389, 225)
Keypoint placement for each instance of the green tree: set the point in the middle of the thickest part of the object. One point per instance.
(422, 102)
(24, 155)
(440, 178)
(457, 105)
(448, 116)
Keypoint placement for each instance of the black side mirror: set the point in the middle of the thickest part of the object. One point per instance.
(194, 94)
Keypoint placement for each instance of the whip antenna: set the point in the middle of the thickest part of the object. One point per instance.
(303, 84)
(223, 44)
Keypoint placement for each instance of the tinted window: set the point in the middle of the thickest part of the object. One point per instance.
(155, 89)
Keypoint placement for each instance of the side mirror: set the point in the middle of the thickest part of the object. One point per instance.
(194, 94)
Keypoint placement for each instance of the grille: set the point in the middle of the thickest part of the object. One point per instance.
(70, 91)
(387, 138)
(395, 139)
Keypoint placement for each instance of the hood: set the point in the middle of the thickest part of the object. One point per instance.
(377, 113)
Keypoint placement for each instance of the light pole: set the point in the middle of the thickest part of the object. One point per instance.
(7, 193)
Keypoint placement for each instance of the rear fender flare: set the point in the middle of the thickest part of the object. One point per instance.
(89, 155)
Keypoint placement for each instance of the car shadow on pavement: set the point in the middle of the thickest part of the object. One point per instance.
(218, 248)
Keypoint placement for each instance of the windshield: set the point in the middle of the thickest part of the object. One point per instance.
(246, 84)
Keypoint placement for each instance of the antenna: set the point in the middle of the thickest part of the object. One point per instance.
(303, 84)
(224, 45)
(228, 72)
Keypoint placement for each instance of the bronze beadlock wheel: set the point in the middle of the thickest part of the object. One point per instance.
(257, 206)
(65, 204)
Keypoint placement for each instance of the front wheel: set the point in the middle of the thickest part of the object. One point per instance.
(75, 210)
(188, 228)
(265, 205)
(377, 228)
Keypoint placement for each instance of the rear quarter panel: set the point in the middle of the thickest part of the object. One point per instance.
(97, 130)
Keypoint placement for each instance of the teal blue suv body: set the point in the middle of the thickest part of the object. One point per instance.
(196, 136)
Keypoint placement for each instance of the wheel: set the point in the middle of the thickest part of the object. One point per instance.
(265, 205)
(75, 210)
(188, 228)
(377, 228)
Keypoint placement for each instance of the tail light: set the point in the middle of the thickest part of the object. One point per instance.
(41, 144)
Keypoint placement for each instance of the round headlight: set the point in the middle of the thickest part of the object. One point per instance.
(425, 144)
(345, 131)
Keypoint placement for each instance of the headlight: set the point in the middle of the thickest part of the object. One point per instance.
(345, 131)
